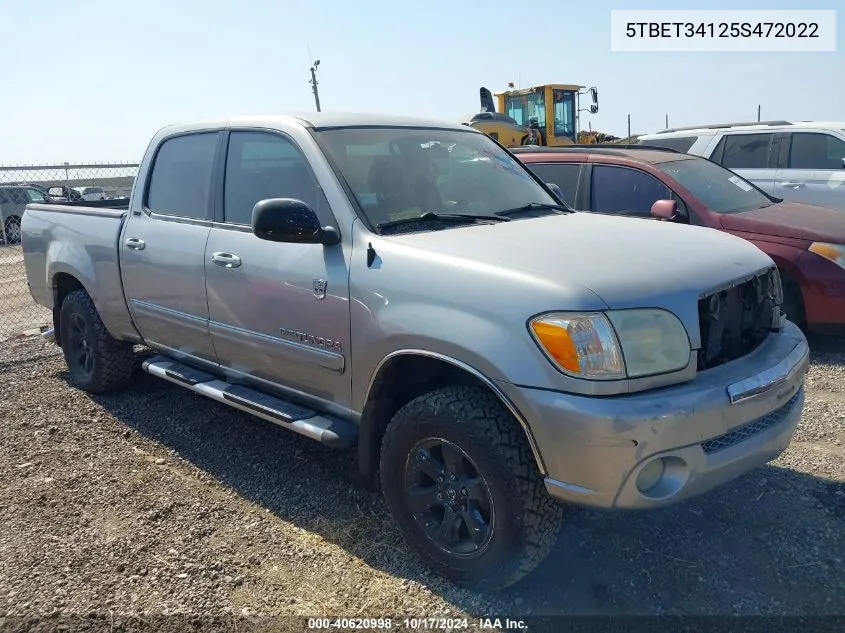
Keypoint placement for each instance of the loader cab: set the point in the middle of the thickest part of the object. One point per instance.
(554, 107)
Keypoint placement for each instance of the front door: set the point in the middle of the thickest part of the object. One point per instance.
(162, 250)
(279, 312)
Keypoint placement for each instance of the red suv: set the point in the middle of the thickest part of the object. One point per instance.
(806, 242)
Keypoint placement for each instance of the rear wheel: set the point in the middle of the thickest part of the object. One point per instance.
(460, 480)
(96, 361)
(13, 229)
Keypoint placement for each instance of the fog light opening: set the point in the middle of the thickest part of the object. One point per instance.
(651, 475)
(662, 477)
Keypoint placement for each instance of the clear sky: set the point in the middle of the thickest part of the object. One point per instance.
(92, 80)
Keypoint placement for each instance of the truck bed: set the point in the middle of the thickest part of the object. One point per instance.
(79, 241)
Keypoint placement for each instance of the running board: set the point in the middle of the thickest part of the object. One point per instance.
(327, 430)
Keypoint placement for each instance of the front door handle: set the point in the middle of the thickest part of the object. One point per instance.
(226, 260)
(792, 185)
(135, 244)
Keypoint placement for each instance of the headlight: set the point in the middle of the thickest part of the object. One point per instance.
(831, 252)
(614, 344)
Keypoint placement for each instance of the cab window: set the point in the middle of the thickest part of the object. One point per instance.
(814, 150)
(564, 113)
(625, 191)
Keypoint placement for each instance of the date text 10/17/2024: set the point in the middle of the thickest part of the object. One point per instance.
(417, 624)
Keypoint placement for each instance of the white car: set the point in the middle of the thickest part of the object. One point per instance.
(91, 193)
(802, 161)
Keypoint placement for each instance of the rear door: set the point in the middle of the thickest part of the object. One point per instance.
(752, 155)
(279, 312)
(163, 248)
(812, 169)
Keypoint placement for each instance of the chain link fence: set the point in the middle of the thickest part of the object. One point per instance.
(25, 184)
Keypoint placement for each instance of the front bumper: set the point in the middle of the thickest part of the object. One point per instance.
(725, 422)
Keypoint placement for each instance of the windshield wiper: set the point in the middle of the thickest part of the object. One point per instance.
(534, 206)
(447, 217)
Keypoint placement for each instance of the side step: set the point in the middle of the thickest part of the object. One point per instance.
(328, 430)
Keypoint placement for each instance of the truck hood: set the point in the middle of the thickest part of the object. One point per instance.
(626, 262)
(790, 220)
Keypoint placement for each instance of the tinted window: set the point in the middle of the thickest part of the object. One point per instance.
(744, 151)
(624, 190)
(35, 195)
(811, 150)
(181, 179)
(679, 143)
(564, 175)
(717, 188)
(260, 166)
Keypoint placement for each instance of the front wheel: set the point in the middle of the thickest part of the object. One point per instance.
(13, 230)
(460, 480)
(96, 361)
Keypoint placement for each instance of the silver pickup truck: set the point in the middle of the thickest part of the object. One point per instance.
(408, 289)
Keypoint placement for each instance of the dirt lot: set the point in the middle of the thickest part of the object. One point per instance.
(156, 501)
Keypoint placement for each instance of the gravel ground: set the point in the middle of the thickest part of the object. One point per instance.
(156, 501)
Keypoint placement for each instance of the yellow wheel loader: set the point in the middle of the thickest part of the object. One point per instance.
(541, 115)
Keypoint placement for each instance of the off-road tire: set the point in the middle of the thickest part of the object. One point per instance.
(112, 361)
(526, 520)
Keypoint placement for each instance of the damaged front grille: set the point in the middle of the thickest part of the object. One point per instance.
(735, 320)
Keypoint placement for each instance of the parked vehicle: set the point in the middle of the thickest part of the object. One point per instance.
(802, 161)
(409, 288)
(13, 201)
(91, 193)
(65, 194)
(806, 242)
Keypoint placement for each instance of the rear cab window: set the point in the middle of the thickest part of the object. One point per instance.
(180, 182)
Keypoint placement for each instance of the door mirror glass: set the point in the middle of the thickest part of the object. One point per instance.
(290, 220)
(665, 210)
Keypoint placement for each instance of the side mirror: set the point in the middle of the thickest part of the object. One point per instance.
(290, 220)
(843, 163)
(555, 190)
(665, 210)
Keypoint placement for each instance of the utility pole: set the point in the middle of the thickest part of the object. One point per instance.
(758, 114)
(313, 83)
(629, 126)
(667, 122)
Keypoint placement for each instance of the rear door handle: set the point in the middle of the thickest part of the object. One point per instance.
(792, 185)
(135, 244)
(226, 260)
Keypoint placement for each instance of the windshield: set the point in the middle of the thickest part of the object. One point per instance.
(720, 189)
(401, 173)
